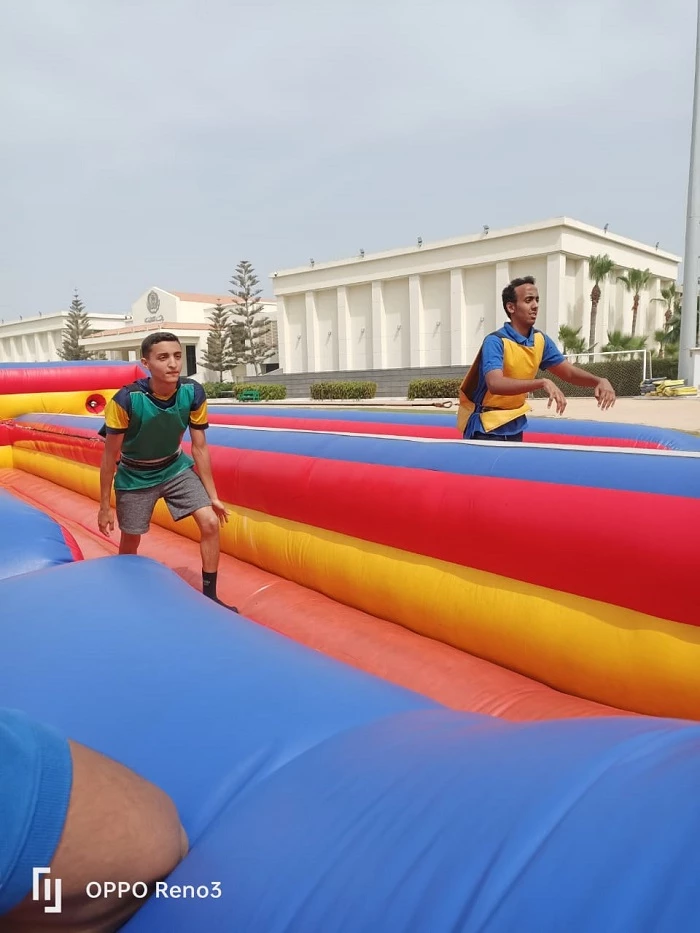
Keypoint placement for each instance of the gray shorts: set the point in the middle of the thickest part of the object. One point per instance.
(183, 495)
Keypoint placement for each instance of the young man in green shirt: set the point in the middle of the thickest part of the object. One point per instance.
(143, 430)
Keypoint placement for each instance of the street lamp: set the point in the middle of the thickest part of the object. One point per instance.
(689, 309)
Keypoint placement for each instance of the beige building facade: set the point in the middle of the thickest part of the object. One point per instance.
(433, 304)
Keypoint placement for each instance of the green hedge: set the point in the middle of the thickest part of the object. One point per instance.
(625, 377)
(326, 390)
(664, 369)
(434, 388)
(268, 392)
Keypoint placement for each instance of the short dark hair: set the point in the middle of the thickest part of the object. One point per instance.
(508, 295)
(160, 336)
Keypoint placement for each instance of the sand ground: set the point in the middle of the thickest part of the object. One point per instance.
(683, 414)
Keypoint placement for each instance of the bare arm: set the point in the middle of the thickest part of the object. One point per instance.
(200, 454)
(498, 384)
(105, 516)
(110, 456)
(119, 827)
(575, 376)
(604, 391)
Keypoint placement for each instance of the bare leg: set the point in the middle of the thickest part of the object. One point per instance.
(119, 827)
(129, 544)
(209, 544)
(210, 548)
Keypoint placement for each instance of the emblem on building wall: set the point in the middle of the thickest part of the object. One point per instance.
(153, 304)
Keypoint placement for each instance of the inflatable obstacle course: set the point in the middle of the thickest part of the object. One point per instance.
(414, 531)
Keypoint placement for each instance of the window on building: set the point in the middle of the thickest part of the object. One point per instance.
(191, 359)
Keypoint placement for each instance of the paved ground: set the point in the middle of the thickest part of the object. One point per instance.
(680, 413)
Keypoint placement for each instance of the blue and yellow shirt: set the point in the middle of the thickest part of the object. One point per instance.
(519, 358)
(153, 428)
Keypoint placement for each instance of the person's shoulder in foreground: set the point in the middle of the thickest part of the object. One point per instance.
(118, 408)
(199, 413)
(81, 817)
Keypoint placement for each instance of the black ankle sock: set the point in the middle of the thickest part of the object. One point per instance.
(209, 589)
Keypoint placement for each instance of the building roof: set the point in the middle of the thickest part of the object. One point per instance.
(201, 298)
(487, 233)
(172, 326)
(53, 315)
(150, 328)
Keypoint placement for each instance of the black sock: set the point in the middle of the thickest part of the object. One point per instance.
(209, 588)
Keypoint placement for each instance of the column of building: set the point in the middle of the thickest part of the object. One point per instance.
(378, 327)
(458, 318)
(554, 304)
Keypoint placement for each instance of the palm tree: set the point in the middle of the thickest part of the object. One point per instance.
(624, 343)
(673, 327)
(672, 298)
(571, 340)
(635, 281)
(599, 268)
(663, 338)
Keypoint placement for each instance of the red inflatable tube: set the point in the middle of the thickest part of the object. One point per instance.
(414, 430)
(537, 437)
(71, 543)
(78, 378)
(27, 429)
(337, 425)
(476, 519)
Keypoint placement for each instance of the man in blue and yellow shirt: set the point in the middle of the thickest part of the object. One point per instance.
(493, 395)
(144, 426)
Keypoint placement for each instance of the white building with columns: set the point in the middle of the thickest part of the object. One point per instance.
(433, 304)
(37, 339)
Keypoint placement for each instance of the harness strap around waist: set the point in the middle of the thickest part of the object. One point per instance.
(150, 464)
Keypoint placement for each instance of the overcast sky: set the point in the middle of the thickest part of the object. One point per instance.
(158, 142)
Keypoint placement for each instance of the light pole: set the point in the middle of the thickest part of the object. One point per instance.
(689, 310)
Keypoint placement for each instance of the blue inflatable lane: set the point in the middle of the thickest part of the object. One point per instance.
(31, 540)
(672, 473)
(667, 437)
(320, 798)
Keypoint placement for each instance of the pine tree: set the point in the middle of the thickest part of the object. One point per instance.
(76, 328)
(254, 327)
(219, 356)
(237, 345)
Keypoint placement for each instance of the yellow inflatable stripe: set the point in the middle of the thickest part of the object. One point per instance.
(583, 647)
(54, 403)
(6, 457)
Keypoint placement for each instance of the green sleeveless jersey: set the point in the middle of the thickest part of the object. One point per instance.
(153, 429)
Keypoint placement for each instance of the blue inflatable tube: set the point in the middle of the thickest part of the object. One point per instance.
(322, 799)
(672, 440)
(30, 540)
(663, 472)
